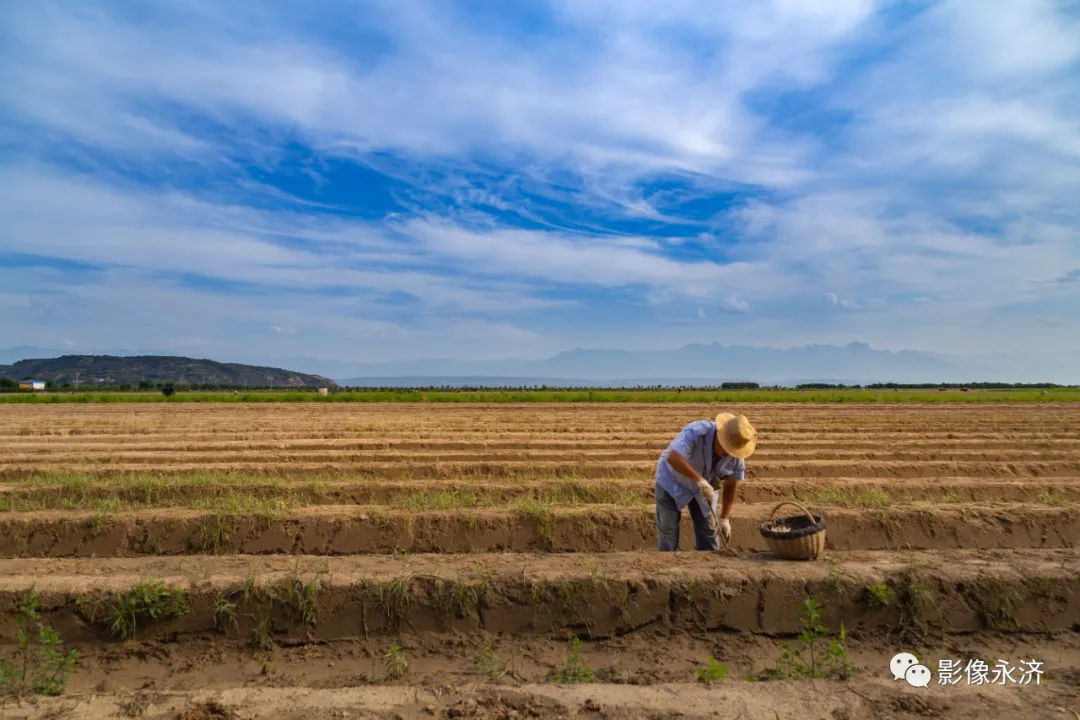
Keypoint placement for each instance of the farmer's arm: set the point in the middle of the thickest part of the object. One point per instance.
(681, 465)
(678, 450)
(730, 490)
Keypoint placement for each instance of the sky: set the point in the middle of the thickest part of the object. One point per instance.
(376, 180)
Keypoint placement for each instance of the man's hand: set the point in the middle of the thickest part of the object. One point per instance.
(705, 489)
(725, 529)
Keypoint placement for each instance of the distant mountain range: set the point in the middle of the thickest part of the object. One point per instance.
(700, 364)
(692, 364)
(697, 364)
(91, 370)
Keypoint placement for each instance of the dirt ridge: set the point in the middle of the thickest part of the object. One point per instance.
(341, 530)
(1005, 592)
(44, 493)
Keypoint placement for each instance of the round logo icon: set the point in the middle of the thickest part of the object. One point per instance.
(917, 676)
(900, 664)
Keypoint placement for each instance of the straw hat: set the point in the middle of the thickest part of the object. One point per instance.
(737, 436)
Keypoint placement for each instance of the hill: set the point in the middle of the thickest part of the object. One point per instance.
(109, 370)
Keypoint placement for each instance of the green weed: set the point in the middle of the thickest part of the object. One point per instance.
(812, 658)
(836, 574)
(541, 513)
(260, 638)
(462, 599)
(438, 501)
(393, 598)
(224, 613)
(999, 610)
(575, 670)
(914, 601)
(712, 672)
(833, 496)
(303, 597)
(1049, 497)
(878, 596)
(873, 499)
(250, 587)
(490, 665)
(150, 600)
(395, 663)
(710, 396)
(40, 666)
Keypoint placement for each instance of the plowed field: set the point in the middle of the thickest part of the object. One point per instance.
(382, 560)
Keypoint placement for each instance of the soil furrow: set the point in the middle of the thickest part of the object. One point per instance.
(777, 444)
(345, 530)
(166, 491)
(129, 456)
(772, 469)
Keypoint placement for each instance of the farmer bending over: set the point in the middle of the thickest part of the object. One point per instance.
(703, 453)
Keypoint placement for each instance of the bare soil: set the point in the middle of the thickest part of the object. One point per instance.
(164, 491)
(345, 530)
(598, 596)
(961, 516)
(637, 677)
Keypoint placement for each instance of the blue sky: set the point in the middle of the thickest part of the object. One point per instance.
(385, 179)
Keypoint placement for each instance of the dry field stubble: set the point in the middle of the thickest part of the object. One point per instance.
(267, 549)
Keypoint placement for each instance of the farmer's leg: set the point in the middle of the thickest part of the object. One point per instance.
(704, 537)
(667, 521)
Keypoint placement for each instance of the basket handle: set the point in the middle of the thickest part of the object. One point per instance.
(788, 502)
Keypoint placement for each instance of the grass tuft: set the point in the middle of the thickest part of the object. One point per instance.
(541, 513)
(393, 599)
(712, 672)
(395, 662)
(575, 670)
(878, 596)
(149, 600)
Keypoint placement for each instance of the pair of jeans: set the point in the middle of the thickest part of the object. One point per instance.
(667, 525)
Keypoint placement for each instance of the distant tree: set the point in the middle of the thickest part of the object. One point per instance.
(168, 390)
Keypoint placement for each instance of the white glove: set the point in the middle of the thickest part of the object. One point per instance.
(725, 529)
(705, 490)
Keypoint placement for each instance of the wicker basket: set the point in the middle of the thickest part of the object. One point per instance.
(805, 538)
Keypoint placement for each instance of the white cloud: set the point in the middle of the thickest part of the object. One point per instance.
(833, 299)
(627, 99)
(565, 258)
(76, 220)
(701, 312)
(283, 330)
(857, 245)
(735, 305)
